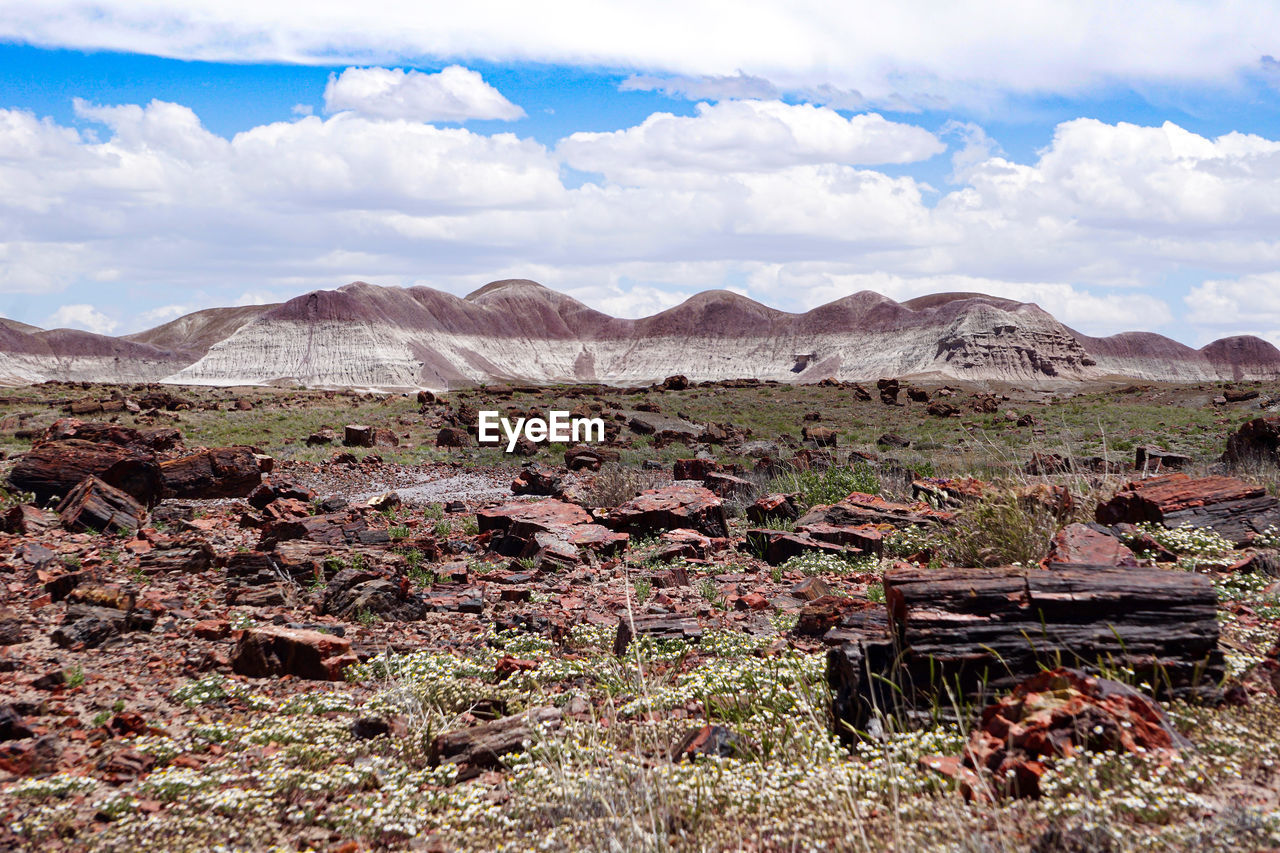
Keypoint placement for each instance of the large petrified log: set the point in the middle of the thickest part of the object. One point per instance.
(100, 432)
(656, 626)
(221, 472)
(56, 467)
(95, 505)
(1233, 508)
(274, 651)
(972, 631)
(655, 510)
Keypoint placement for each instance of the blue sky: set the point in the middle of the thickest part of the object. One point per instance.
(1118, 166)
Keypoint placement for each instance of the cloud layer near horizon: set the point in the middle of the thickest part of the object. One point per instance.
(779, 200)
(913, 52)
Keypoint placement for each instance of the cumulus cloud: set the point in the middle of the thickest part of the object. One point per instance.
(455, 94)
(746, 136)
(757, 194)
(84, 317)
(1249, 304)
(1082, 308)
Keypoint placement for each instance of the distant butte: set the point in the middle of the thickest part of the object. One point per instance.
(367, 336)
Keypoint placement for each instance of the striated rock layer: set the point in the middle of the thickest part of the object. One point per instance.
(516, 330)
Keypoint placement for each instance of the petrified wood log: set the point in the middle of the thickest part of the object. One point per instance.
(221, 472)
(657, 626)
(1233, 508)
(56, 467)
(95, 505)
(976, 630)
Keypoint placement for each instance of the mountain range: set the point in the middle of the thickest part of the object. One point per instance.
(515, 330)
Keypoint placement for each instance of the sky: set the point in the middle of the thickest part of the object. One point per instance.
(1117, 164)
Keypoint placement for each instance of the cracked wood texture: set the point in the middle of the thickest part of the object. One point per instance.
(980, 630)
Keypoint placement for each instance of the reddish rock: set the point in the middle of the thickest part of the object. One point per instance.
(537, 479)
(95, 505)
(888, 389)
(1081, 544)
(271, 489)
(986, 404)
(1042, 464)
(941, 409)
(28, 520)
(947, 492)
(774, 507)
(211, 629)
(523, 519)
(56, 467)
(820, 615)
(810, 589)
(712, 740)
(862, 509)
(594, 537)
(777, 546)
(1152, 460)
(694, 469)
(1057, 714)
(321, 437)
(357, 435)
(582, 458)
(336, 528)
(515, 528)
(221, 472)
(453, 437)
(820, 436)
(728, 486)
(689, 544)
(676, 506)
(864, 537)
(508, 666)
(1256, 441)
(892, 439)
(1237, 510)
(272, 651)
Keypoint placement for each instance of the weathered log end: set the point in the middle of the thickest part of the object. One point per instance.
(978, 631)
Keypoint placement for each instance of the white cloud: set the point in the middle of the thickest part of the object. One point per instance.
(754, 194)
(1249, 304)
(256, 297)
(81, 317)
(1081, 308)
(963, 50)
(165, 313)
(706, 87)
(746, 136)
(456, 94)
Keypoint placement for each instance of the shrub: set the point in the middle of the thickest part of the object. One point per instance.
(617, 484)
(1001, 530)
(829, 486)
